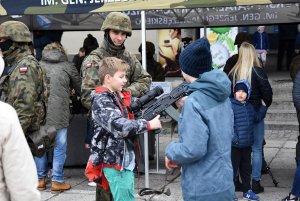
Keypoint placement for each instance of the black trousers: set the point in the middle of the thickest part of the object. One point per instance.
(286, 49)
(241, 162)
(103, 195)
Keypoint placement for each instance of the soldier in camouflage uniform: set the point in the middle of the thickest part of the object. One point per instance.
(117, 27)
(22, 82)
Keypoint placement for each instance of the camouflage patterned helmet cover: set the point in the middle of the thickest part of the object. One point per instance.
(16, 31)
(117, 21)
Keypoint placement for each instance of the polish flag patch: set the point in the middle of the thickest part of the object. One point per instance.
(23, 69)
(88, 65)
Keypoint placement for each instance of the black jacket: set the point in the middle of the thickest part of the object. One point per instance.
(260, 88)
(230, 63)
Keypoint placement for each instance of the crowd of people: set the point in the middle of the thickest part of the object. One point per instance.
(107, 78)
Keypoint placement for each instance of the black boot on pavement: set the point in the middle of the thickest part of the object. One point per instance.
(256, 187)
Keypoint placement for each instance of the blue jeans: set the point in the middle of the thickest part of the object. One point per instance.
(259, 133)
(296, 183)
(59, 157)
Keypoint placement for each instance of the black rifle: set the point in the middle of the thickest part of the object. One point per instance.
(162, 105)
(137, 106)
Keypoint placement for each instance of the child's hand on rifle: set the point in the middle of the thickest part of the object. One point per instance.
(155, 123)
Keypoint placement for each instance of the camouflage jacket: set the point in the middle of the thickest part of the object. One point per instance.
(112, 143)
(23, 89)
(138, 79)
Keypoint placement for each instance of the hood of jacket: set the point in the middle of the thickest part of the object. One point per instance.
(53, 56)
(99, 90)
(214, 84)
(246, 83)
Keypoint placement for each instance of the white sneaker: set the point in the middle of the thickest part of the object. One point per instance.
(92, 184)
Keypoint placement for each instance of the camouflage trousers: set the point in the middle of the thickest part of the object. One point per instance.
(103, 195)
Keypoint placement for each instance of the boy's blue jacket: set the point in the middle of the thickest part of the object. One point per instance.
(205, 133)
(244, 118)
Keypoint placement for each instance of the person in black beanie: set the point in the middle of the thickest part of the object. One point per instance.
(239, 39)
(90, 43)
(204, 147)
(154, 68)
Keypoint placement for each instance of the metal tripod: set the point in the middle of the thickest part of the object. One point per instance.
(267, 170)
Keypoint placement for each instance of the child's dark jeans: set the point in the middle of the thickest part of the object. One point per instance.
(241, 162)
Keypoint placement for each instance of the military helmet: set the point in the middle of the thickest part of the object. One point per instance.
(16, 31)
(117, 21)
